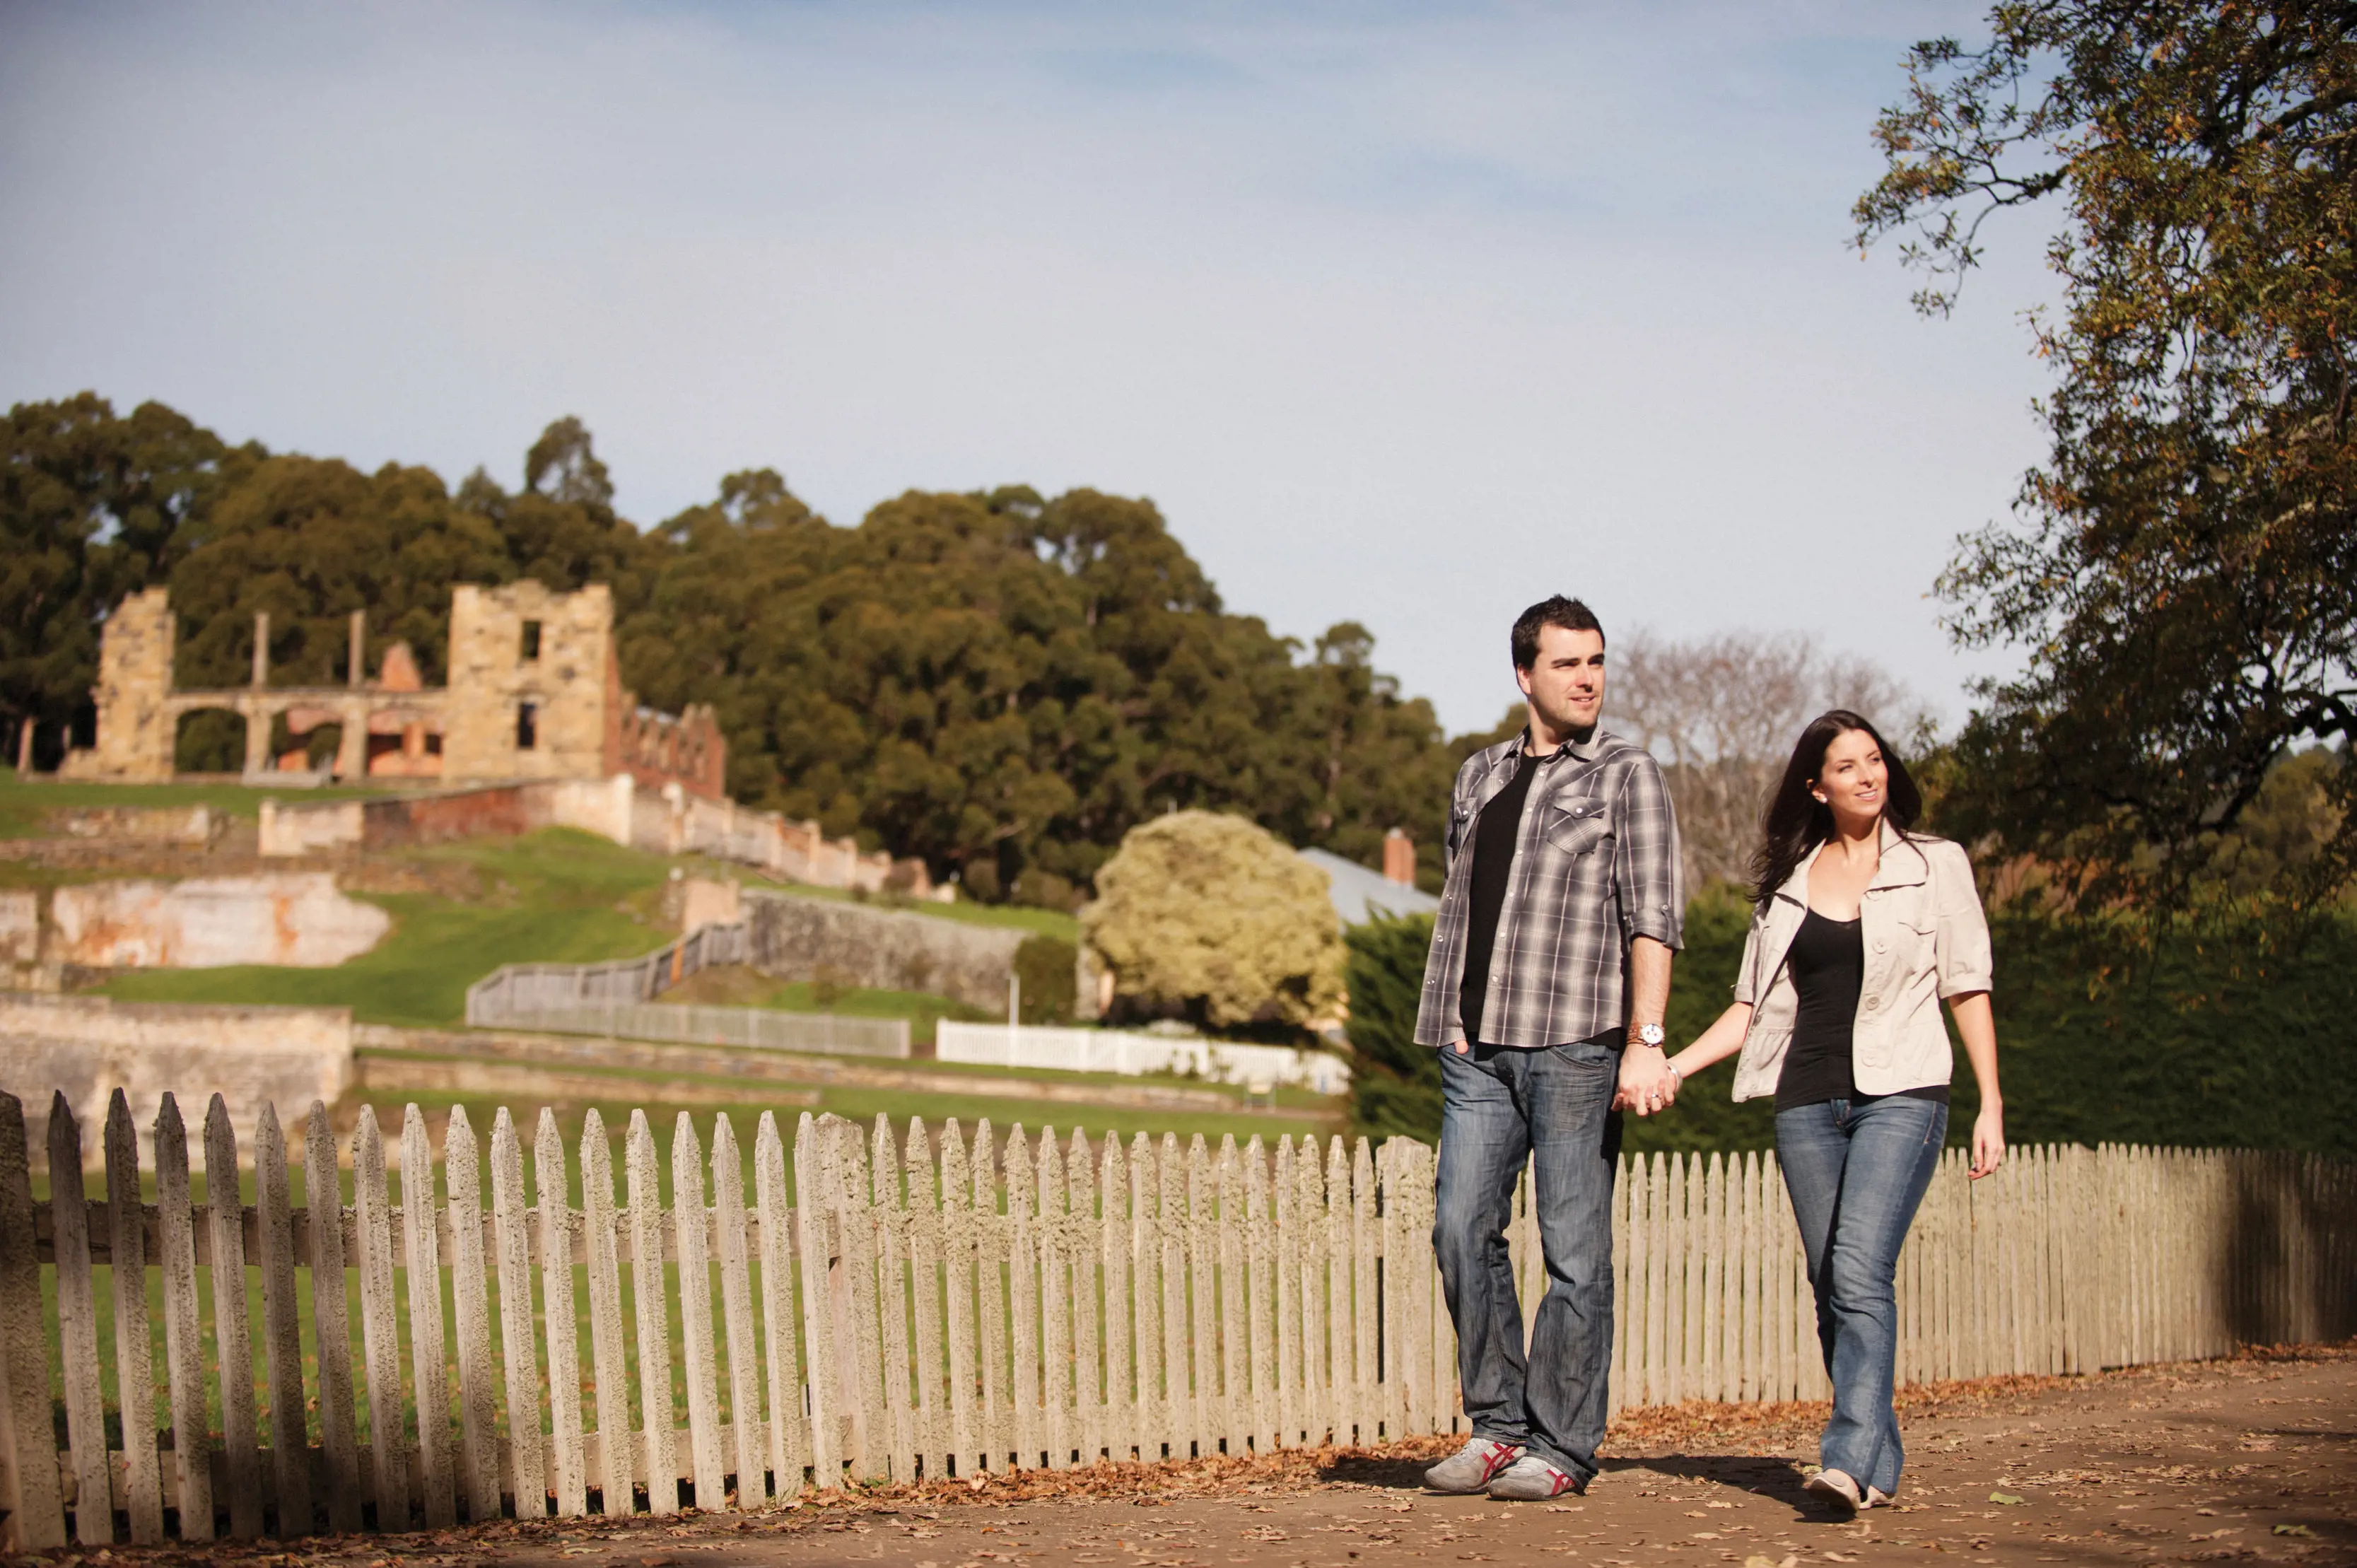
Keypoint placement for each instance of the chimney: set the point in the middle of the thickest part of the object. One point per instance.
(261, 647)
(1399, 859)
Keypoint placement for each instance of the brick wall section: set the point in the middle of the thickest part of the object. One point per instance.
(797, 938)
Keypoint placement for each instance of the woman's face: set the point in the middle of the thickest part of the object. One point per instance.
(1853, 778)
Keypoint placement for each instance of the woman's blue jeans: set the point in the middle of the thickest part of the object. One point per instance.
(1857, 1170)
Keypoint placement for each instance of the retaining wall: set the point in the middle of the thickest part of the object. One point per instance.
(88, 1046)
(888, 950)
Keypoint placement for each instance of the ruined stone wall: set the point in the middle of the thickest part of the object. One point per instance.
(87, 1048)
(136, 730)
(295, 919)
(494, 674)
(859, 944)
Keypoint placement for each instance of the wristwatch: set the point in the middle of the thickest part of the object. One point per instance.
(1650, 1035)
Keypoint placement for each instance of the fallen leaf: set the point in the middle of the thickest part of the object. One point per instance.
(2009, 1498)
(2293, 1530)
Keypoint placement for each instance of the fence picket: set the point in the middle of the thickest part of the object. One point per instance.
(551, 1185)
(888, 1205)
(462, 1186)
(693, 1222)
(527, 1455)
(1365, 1370)
(379, 1336)
(1056, 1305)
(959, 1284)
(751, 1457)
(650, 1298)
(134, 1372)
(36, 1520)
(812, 1219)
(1023, 1299)
(429, 1367)
(225, 1238)
(789, 1444)
(1176, 1403)
(924, 1232)
(184, 1357)
(1081, 1228)
(606, 1360)
(282, 1332)
(854, 1193)
(77, 1325)
(993, 1278)
(1117, 1241)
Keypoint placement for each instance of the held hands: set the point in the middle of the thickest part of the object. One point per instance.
(1648, 1083)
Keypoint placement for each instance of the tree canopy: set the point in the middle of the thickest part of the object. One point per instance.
(2181, 571)
(1002, 682)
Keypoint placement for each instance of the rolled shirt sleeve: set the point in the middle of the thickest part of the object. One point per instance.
(1647, 870)
(1962, 936)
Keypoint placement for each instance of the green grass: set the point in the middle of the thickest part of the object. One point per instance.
(557, 896)
(1007, 917)
(24, 807)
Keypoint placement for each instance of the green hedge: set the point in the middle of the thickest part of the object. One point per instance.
(2241, 1035)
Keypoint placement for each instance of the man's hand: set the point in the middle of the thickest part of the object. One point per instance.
(1647, 1084)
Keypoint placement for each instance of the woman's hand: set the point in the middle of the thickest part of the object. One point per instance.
(1989, 1140)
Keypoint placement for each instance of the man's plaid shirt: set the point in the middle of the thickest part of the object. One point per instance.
(1596, 864)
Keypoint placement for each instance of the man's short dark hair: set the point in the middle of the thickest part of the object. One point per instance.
(1569, 614)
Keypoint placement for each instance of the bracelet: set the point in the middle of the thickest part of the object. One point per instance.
(1676, 1074)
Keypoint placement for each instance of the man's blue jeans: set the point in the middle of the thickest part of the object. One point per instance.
(1499, 1108)
(1856, 1169)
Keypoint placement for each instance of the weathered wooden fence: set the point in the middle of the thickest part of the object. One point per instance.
(892, 1310)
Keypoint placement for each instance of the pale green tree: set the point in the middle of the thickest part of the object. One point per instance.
(1216, 916)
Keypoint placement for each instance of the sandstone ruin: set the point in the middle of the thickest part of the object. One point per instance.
(534, 692)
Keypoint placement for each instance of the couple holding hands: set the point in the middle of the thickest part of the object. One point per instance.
(1544, 992)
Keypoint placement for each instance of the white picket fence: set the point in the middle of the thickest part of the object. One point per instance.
(894, 1313)
(1122, 1051)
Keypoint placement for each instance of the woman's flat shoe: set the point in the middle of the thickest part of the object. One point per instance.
(1835, 1486)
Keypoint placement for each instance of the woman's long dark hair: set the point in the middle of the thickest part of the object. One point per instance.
(1796, 822)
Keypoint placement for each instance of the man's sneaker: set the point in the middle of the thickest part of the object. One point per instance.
(1837, 1488)
(1469, 1470)
(1531, 1479)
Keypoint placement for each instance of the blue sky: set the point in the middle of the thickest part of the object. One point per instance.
(1405, 313)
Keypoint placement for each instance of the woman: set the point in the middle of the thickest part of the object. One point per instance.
(1861, 926)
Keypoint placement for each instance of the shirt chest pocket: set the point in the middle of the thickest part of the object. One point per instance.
(1576, 827)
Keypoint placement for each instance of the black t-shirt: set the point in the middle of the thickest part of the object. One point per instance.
(1494, 832)
(1827, 959)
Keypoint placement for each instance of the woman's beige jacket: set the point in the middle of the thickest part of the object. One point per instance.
(1926, 939)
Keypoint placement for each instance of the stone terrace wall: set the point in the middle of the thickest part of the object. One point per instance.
(292, 917)
(87, 1048)
(795, 938)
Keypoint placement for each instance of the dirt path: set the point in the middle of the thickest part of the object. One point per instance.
(2250, 1459)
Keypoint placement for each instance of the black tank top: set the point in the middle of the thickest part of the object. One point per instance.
(1827, 960)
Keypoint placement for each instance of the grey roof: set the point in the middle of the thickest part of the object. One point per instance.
(1358, 892)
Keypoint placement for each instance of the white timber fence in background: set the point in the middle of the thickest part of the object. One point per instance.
(1121, 1051)
(887, 1311)
(616, 998)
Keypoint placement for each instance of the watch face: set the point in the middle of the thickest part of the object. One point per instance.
(1650, 1034)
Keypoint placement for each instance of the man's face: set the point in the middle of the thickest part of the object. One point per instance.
(1566, 682)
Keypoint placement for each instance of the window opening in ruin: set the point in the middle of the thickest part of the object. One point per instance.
(530, 642)
(527, 725)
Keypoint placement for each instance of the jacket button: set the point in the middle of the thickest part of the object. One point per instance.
(1872, 1003)
(1880, 945)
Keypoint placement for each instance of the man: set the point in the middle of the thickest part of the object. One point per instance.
(1549, 970)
